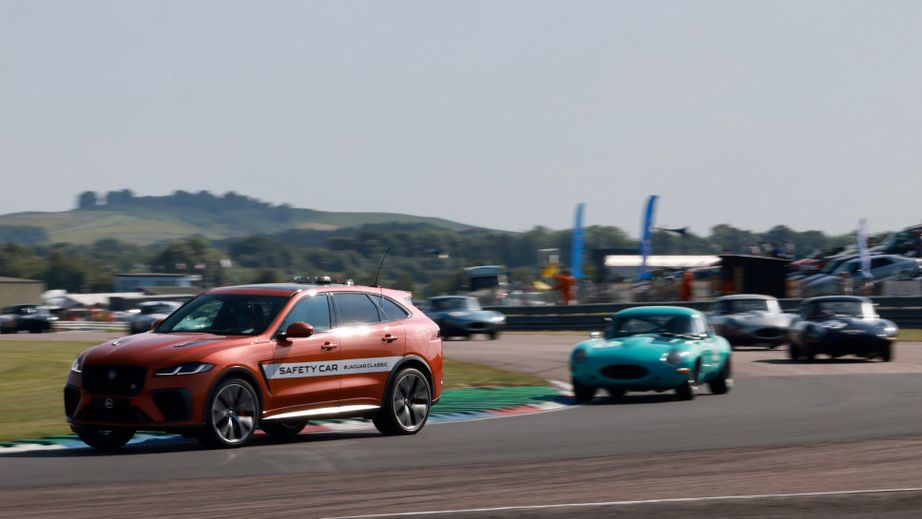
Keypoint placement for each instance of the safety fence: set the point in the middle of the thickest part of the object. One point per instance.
(906, 312)
(90, 326)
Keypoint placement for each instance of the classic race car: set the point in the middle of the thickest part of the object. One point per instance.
(841, 325)
(750, 319)
(462, 316)
(653, 348)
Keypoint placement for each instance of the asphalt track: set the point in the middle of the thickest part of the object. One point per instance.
(788, 432)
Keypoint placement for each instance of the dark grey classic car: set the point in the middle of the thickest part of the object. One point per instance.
(462, 316)
(841, 325)
(30, 318)
(750, 319)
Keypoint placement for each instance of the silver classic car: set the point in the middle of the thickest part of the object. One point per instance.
(750, 319)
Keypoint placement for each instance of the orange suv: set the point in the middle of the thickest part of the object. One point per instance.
(270, 357)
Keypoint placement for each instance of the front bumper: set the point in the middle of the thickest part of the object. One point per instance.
(163, 403)
(630, 376)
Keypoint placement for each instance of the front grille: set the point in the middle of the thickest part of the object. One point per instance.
(109, 410)
(111, 379)
(624, 371)
(173, 404)
(71, 400)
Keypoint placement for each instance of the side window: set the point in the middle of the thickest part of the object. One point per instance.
(391, 311)
(314, 310)
(355, 309)
(879, 262)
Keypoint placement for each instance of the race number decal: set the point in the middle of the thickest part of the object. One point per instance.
(325, 369)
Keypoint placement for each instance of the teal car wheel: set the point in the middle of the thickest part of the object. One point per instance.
(722, 383)
(583, 394)
(689, 389)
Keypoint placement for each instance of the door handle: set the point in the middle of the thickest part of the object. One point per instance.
(389, 338)
(327, 346)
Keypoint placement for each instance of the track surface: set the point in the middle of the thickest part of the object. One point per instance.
(785, 428)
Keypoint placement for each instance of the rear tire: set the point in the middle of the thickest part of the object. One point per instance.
(583, 394)
(104, 439)
(407, 402)
(794, 351)
(493, 335)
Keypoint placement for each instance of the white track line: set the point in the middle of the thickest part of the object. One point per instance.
(637, 502)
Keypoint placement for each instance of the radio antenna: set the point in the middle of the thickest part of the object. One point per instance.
(379, 267)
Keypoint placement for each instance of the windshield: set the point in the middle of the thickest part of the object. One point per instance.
(739, 306)
(455, 303)
(657, 324)
(828, 309)
(225, 314)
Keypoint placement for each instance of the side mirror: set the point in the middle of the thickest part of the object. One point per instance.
(296, 330)
(156, 324)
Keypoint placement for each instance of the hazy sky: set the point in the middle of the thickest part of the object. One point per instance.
(500, 114)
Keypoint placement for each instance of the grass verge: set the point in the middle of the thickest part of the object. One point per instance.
(32, 376)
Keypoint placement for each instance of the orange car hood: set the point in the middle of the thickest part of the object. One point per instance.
(154, 348)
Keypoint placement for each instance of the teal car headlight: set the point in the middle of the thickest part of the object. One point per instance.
(190, 368)
(674, 357)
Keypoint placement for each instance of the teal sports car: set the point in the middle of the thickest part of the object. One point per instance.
(652, 348)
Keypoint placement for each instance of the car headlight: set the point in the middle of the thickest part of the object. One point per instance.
(77, 366)
(580, 356)
(189, 368)
(498, 319)
(674, 357)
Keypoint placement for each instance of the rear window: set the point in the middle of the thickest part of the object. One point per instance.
(355, 309)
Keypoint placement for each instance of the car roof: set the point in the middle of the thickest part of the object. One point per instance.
(293, 288)
(736, 297)
(658, 310)
(837, 299)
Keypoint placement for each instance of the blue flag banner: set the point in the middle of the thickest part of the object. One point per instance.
(863, 249)
(576, 252)
(645, 233)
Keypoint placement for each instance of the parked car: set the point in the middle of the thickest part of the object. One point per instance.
(462, 316)
(270, 357)
(29, 318)
(882, 266)
(841, 325)
(150, 312)
(653, 348)
(750, 319)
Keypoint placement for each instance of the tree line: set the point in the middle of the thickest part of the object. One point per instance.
(422, 258)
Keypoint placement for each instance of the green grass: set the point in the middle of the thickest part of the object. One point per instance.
(468, 374)
(910, 335)
(33, 373)
(32, 377)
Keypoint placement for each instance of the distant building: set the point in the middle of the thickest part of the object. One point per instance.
(138, 282)
(16, 291)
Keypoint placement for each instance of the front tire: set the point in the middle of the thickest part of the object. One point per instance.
(886, 353)
(722, 383)
(406, 404)
(583, 394)
(104, 439)
(794, 351)
(689, 389)
(231, 414)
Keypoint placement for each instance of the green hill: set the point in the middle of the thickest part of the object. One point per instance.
(145, 220)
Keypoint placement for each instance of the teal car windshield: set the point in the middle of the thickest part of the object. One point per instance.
(654, 324)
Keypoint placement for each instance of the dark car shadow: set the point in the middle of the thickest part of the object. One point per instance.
(819, 360)
(637, 399)
(180, 444)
